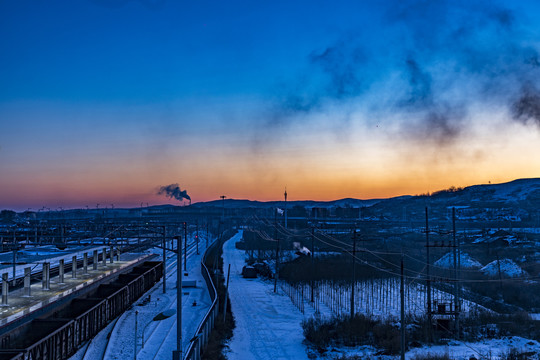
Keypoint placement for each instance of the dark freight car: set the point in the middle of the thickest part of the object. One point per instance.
(60, 335)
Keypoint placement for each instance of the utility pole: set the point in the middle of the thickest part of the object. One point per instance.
(177, 354)
(312, 264)
(402, 295)
(277, 252)
(428, 279)
(353, 273)
(456, 284)
(223, 207)
(285, 207)
(277, 265)
(164, 243)
(459, 276)
(14, 256)
(226, 294)
(185, 246)
(197, 236)
(135, 353)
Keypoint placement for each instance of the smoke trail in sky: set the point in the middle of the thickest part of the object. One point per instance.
(527, 107)
(174, 191)
(439, 58)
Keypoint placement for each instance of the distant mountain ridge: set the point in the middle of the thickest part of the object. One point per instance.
(242, 203)
(519, 194)
(520, 190)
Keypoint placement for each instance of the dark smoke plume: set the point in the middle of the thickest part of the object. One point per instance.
(335, 74)
(436, 61)
(420, 83)
(173, 191)
(340, 64)
(527, 108)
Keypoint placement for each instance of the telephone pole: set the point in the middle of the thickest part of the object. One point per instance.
(402, 296)
(285, 207)
(185, 246)
(353, 273)
(164, 260)
(177, 354)
(456, 279)
(197, 236)
(312, 264)
(277, 252)
(277, 265)
(223, 207)
(428, 279)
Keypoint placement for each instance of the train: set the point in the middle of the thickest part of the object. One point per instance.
(61, 333)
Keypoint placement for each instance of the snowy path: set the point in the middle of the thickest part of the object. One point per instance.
(267, 324)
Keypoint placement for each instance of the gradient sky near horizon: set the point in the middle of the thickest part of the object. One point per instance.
(104, 101)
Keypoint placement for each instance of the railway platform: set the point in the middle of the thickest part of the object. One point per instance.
(38, 299)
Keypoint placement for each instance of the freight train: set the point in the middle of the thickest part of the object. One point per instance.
(61, 333)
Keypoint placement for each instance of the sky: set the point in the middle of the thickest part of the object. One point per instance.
(106, 101)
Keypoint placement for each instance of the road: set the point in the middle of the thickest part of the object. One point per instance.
(267, 324)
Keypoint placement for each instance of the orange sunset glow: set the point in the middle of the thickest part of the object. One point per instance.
(329, 114)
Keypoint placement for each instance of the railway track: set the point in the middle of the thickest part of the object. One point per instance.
(97, 350)
(156, 334)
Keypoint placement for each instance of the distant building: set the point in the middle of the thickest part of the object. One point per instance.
(347, 212)
(319, 213)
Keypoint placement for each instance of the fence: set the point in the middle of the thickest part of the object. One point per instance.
(202, 335)
(375, 297)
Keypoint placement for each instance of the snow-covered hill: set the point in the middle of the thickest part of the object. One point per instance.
(467, 262)
(508, 268)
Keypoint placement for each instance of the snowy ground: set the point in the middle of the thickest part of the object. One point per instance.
(267, 324)
(491, 349)
(488, 349)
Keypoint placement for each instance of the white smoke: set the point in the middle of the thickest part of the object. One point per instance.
(302, 249)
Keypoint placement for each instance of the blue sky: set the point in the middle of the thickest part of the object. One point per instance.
(153, 50)
(105, 101)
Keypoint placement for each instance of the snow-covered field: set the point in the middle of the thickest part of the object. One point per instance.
(268, 324)
(491, 349)
(379, 298)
